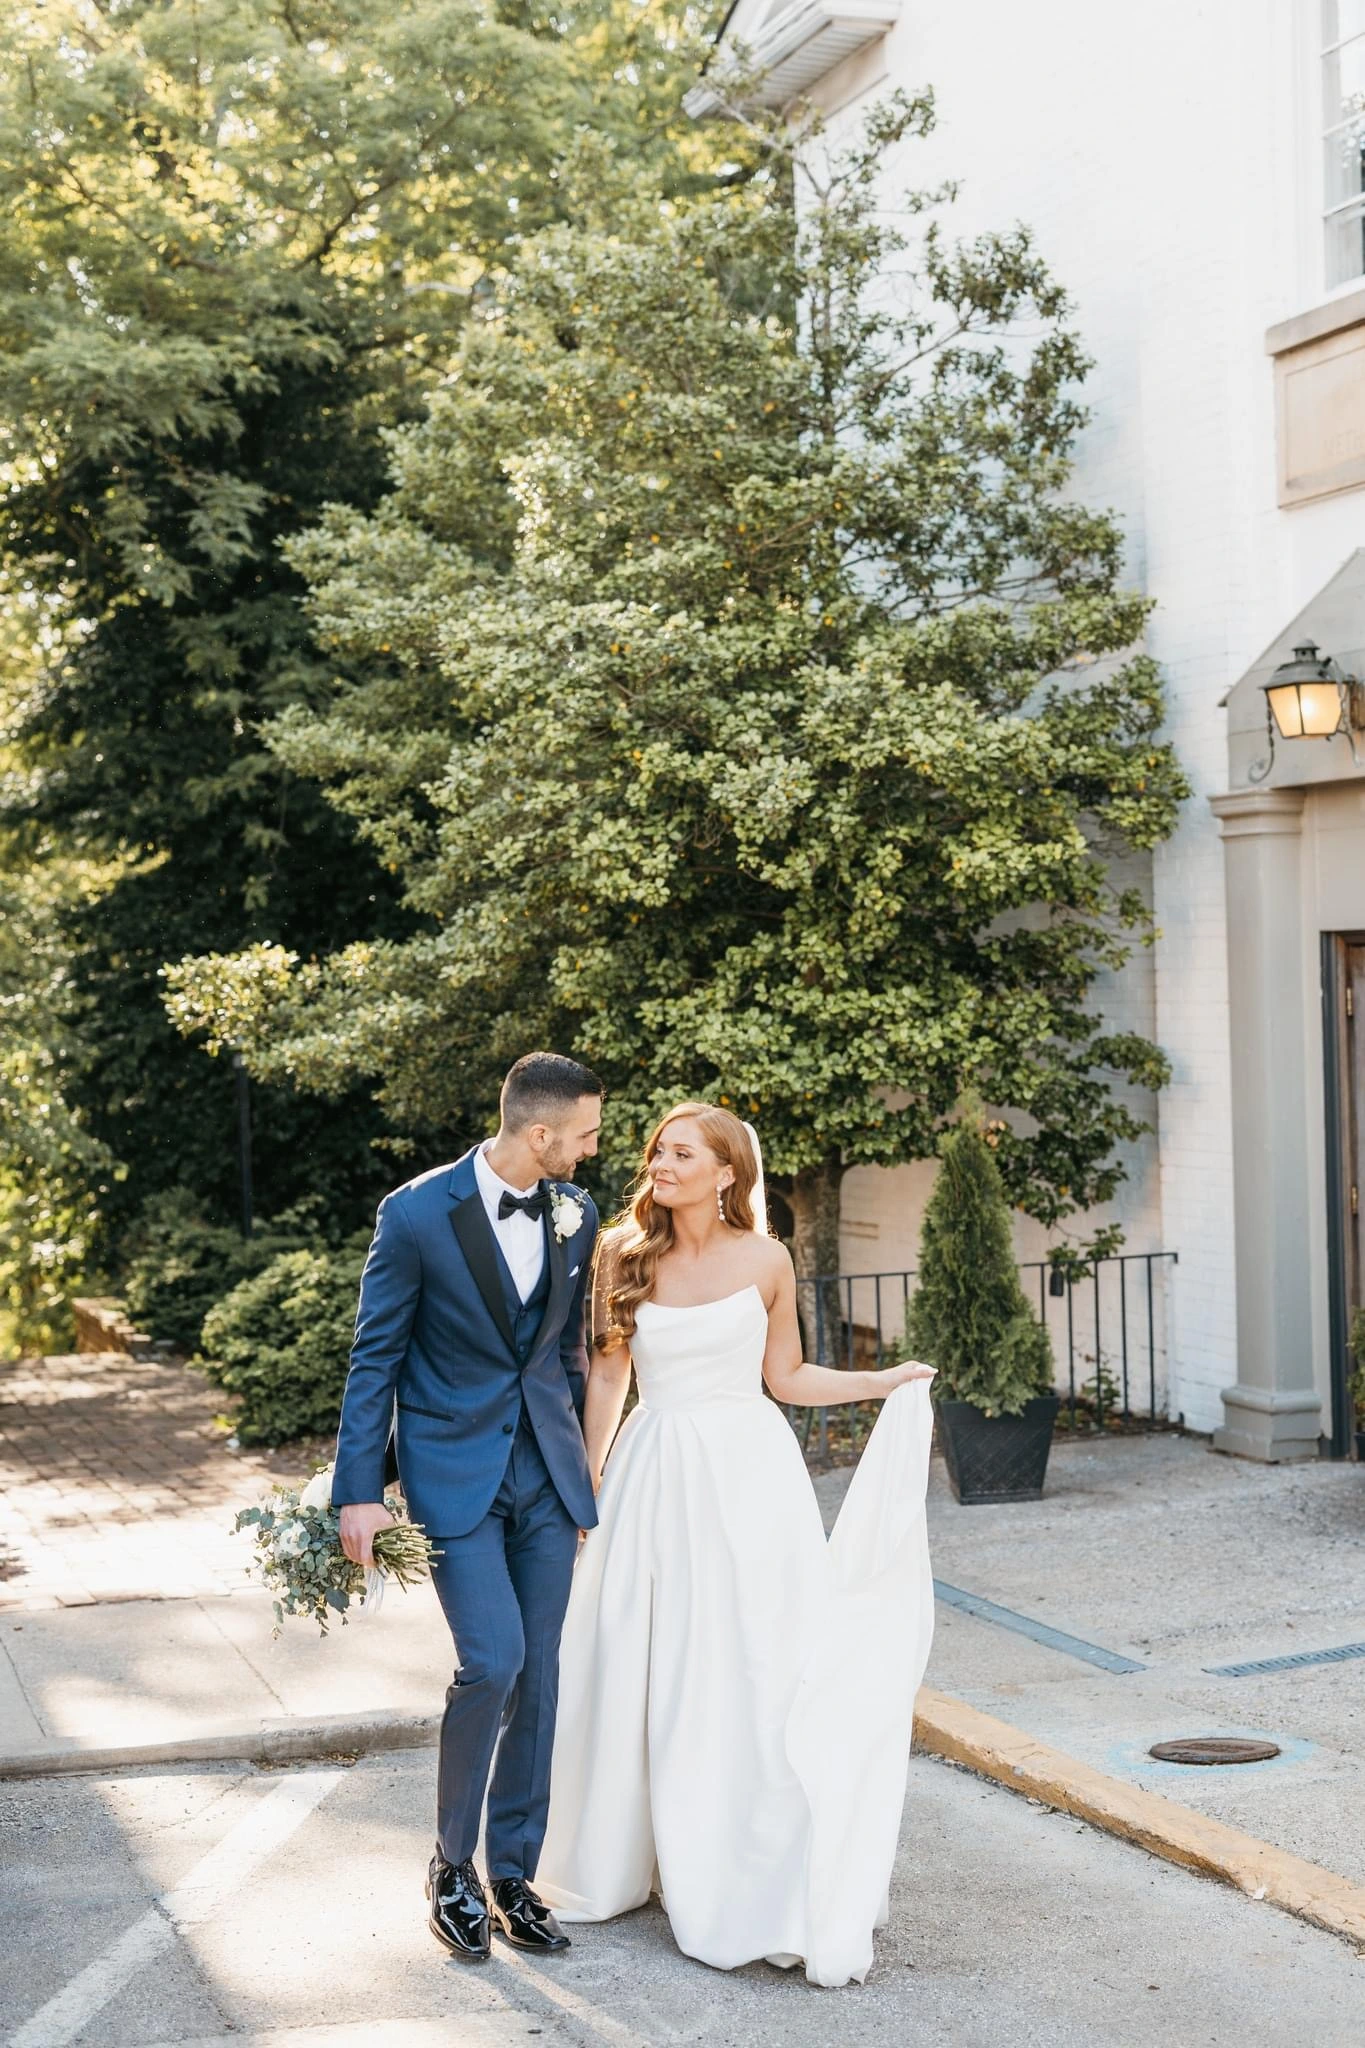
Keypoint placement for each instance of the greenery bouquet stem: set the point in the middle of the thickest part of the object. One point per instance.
(299, 1558)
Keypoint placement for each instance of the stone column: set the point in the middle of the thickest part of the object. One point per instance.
(1273, 1412)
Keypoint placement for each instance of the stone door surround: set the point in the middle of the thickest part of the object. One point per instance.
(1274, 1411)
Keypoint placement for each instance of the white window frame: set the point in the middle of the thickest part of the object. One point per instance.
(1328, 216)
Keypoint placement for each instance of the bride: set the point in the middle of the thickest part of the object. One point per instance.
(735, 1694)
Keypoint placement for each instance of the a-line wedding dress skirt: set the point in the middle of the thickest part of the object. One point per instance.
(736, 1693)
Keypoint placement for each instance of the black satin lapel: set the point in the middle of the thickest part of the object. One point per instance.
(558, 1256)
(474, 1235)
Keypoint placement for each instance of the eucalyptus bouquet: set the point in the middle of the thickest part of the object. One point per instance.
(297, 1535)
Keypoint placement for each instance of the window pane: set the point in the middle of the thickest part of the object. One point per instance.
(1346, 247)
(1344, 162)
(1343, 83)
(1342, 18)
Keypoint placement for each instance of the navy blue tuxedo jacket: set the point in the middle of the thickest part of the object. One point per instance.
(436, 1360)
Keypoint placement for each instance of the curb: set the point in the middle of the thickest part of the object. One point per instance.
(949, 1728)
(266, 1743)
(944, 1727)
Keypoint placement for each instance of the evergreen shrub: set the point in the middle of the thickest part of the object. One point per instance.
(969, 1317)
(281, 1342)
(181, 1265)
(1357, 1349)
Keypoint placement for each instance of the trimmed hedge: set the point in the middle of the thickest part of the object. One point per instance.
(180, 1266)
(281, 1342)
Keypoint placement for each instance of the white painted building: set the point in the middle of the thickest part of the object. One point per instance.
(1193, 174)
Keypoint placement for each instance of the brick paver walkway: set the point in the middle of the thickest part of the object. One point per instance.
(115, 1483)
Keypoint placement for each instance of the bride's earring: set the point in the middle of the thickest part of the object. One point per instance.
(720, 1203)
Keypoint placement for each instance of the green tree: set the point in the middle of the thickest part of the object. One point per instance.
(240, 239)
(741, 699)
(968, 1315)
(51, 1169)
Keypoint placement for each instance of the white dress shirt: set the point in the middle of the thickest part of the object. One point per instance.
(521, 1238)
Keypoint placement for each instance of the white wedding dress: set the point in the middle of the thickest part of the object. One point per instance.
(736, 1693)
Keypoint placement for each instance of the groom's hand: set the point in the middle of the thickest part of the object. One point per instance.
(359, 1525)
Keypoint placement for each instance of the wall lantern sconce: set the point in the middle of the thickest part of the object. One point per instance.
(1310, 698)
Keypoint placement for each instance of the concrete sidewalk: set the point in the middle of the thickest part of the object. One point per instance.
(127, 1618)
(116, 1483)
(164, 1674)
(1175, 1559)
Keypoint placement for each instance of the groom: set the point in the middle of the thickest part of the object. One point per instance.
(469, 1349)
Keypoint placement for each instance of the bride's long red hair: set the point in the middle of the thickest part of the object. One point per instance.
(628, 1256)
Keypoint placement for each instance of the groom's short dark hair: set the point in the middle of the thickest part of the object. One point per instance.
(541, 1086)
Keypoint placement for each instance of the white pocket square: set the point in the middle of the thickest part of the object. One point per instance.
(573, 1272)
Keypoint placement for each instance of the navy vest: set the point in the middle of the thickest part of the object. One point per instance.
(526, 1316)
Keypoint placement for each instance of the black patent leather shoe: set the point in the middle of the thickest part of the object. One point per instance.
(459, 1910)
(523, 1919)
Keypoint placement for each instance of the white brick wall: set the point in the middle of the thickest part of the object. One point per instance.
(1167, 160)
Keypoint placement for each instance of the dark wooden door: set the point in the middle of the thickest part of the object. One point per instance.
(1344, 1036)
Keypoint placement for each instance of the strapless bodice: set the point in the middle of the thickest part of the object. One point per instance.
(694, 1357)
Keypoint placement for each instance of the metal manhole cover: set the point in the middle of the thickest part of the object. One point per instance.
(1214, 1749)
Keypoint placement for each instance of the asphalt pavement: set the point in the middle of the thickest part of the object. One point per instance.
(284, 1910)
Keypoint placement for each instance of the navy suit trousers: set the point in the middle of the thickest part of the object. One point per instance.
(504, 1588)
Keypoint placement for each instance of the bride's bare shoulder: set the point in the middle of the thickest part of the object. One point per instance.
(772, 1264)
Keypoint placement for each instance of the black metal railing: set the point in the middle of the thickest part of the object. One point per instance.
(1109, 1315)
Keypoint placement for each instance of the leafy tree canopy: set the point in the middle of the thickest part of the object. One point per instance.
(238, 240)
(50, 1165)
(739, 697)
(49, 1162)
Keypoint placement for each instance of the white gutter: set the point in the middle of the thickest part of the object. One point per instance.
(793, 49)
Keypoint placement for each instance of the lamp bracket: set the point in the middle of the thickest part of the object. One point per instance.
(1351, 700)
(1260, 768)
(1351, 697)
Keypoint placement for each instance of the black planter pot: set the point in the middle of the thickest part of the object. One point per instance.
(1360, 1445)
(997, 1457)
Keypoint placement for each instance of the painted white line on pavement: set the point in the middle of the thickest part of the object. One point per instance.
(200, 1892)
(63, 2017)
(502, 2029)
(257, 1835)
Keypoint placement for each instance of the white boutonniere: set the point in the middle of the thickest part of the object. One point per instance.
(566, 1213)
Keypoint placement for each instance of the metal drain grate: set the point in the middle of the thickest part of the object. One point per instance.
(1036, 1631)
(1293, 1663)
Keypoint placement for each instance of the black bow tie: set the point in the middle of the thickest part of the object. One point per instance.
(533, 1205)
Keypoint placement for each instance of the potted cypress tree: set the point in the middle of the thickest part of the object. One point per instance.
(1357, 1348)
(994, 1393)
